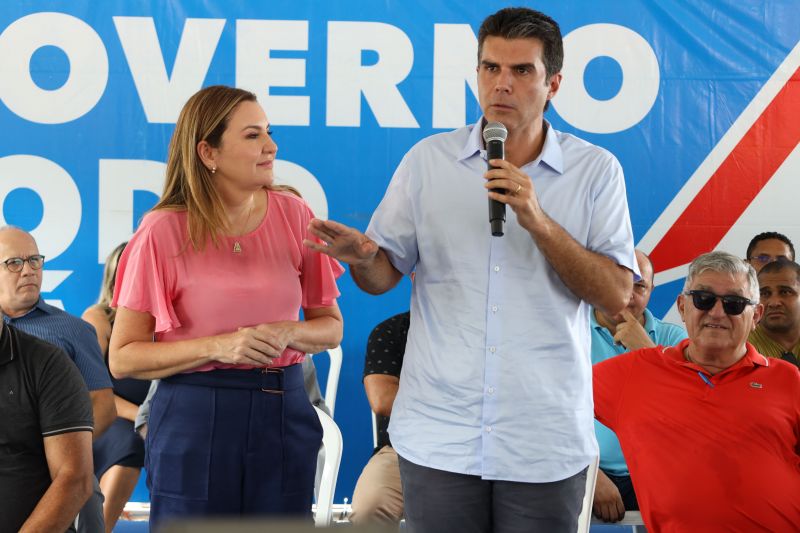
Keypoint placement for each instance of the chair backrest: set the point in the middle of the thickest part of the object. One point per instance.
(332, 383)
(374, 429)
(332, 444)
(585, 518)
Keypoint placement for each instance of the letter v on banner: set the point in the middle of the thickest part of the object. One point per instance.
(746, 158)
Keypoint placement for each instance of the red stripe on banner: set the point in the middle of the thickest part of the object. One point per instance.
(736, 183)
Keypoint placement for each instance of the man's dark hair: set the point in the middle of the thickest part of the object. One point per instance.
(779, 266)
(766, 236)
(525, 23)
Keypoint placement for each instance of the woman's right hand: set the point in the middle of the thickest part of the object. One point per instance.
(247, 346)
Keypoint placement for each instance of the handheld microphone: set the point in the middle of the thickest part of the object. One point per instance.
(494, 135)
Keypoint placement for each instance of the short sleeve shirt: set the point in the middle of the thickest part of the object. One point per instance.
(42, 394)
(195, 294)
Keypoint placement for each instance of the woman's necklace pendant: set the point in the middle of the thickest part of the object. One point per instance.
(237, 248)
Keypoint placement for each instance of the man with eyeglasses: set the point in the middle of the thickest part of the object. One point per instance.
(634, 328)
(767, 247)
(710, 428)
(778, 333)
(20, 286)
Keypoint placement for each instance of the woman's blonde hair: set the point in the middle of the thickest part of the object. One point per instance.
(109, 279)
(189, 184)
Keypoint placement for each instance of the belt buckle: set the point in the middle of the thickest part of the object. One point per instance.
(272, 371)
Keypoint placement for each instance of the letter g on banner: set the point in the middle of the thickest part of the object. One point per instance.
(640, 78)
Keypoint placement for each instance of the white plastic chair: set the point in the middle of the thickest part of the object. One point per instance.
(332, 384)
(585, 518)
(332, 445)
(632, 519)
(374, 429)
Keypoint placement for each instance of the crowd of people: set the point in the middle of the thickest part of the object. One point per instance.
(511, 348)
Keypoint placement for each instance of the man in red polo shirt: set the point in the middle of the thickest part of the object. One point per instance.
(710, 428)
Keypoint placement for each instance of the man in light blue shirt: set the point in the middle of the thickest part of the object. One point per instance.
(634, 328)
(493, 418)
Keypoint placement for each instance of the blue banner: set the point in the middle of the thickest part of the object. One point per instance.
(698, 100)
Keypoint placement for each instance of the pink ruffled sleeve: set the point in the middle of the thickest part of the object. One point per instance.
(318, 278)
(144, 278)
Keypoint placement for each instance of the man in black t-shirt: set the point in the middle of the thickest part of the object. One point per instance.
(45, 435)
(378, 496)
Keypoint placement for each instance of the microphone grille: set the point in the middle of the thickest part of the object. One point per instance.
(495, 131)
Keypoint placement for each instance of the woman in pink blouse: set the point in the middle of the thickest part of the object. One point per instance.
(208, 296)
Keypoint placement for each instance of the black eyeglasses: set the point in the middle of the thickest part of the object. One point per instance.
(732, 305)
(16, 264)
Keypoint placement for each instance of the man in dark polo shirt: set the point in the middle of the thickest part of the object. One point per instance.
(20, 285)
(45, 435)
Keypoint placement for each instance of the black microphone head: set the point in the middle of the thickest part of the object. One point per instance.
(495, 131)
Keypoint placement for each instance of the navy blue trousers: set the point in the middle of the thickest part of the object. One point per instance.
(232, 442)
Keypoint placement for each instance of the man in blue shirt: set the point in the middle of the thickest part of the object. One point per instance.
(492, 421)
(20, 287)
(634, 328)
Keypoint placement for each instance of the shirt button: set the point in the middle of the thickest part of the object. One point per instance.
(492, 349)
(490, 390)
(497, 268)
(488, 429)
(494, 308)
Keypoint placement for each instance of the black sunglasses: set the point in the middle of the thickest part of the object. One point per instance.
(732, 305)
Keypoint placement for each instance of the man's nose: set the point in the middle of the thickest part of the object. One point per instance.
(717, 310)
(503, 81)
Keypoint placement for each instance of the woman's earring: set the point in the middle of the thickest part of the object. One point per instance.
(213, 169)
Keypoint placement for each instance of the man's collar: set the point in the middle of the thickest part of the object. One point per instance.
(649, 322)
(551, 155)
(40, 305)
(751, 357)
(6, 344)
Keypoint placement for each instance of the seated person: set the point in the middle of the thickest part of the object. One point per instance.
(119, 452)
(25, 310)
(378, 496)
(768, 247)
(634, 328)
(778, 333)
(45, 435)
(710, 428)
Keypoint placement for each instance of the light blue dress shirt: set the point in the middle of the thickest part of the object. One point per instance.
(496, 379)
(604, 347)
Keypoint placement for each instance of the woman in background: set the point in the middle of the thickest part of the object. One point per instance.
(216, 275)
(119, 452)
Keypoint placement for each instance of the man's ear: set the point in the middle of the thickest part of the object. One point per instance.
(681, 302)
(757, 314)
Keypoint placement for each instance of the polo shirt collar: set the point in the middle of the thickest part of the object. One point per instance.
(551, 155)
(649, 322)
(751, 357)
(6, 354)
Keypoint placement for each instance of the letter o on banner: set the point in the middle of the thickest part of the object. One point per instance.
(59, 195)
(640, 78)
(292, 174)
(88, 68)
